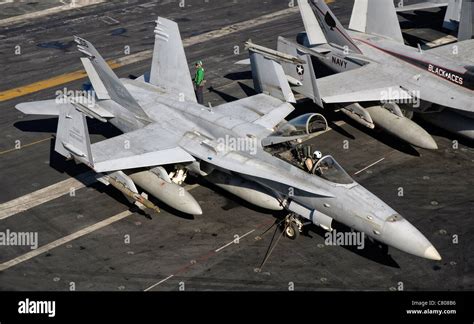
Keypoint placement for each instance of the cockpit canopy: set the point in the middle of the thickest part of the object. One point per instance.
(328, 169)
(302, 125)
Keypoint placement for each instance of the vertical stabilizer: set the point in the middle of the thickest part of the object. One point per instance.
(331, 27)
(311, 24)
(103, 79)
(376, 17)
(453, 15)
(466, 23)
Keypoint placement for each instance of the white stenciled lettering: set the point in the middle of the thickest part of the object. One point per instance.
(445, 74)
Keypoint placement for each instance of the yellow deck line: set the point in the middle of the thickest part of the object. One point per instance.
(26, 145)
(77, 75)
(49, 83)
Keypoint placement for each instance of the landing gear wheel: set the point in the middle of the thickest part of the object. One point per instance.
(292, 231)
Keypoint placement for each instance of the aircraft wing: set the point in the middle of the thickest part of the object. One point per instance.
(464, 51)
(368, 83)
(260, 109)
(245, 164)
(169, 67)
(146, 147)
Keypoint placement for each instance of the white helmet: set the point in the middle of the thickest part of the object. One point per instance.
(317, 154)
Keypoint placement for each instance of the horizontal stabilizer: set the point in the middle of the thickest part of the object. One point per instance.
(53, 107)
(72, 136)
(43, 107)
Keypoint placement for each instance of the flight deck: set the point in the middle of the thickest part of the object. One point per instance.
(91, 238)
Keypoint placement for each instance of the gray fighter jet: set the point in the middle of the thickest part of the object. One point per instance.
(168, 135)
(377, 79)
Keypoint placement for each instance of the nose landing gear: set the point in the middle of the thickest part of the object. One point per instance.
(292, 226)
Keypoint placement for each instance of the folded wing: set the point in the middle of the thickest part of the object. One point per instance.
(368, 83)
(169, 68)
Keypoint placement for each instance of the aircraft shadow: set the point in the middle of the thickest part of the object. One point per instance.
(77, 171)
(373, 250)
(436, 131)
(226, 97)
(57, 45)
(235, 76)
(234, 201)
(50, 125)
(383, 137)
(423, 19)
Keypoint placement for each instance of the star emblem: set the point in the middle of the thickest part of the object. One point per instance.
(300, 69)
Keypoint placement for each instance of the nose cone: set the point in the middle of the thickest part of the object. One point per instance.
(432, 254)
(402, 235)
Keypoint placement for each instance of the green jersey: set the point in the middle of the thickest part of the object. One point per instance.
(199, 77)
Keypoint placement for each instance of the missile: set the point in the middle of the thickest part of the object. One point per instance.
(170, 193)
(272, 54)
(402, 128)
(133, 195)
(358, 113)
(246, 190)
